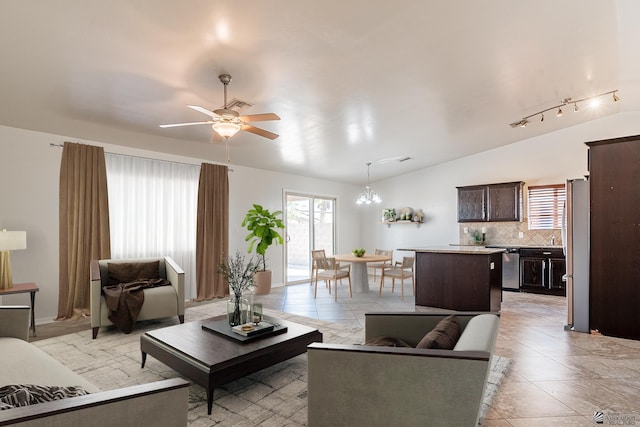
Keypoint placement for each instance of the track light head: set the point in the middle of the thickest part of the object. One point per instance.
(615, 97)
(559, 113)
(575, 107)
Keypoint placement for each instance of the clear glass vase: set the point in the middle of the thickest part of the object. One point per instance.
(237, 310)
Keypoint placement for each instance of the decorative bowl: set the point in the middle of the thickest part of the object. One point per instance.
(358, 252)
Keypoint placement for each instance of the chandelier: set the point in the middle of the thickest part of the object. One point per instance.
(369, 195)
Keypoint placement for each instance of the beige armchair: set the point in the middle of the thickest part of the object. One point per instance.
(159, 302)
(351, 385)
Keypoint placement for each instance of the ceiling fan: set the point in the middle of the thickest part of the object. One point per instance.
(227, 122)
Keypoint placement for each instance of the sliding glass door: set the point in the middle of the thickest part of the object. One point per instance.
(310, 222)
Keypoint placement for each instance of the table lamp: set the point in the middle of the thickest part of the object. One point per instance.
(9, 241)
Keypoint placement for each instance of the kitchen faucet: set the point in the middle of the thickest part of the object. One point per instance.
(553, 240)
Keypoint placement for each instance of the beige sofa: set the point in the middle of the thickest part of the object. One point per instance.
(383, 386)
(161, 403)
(164, 301)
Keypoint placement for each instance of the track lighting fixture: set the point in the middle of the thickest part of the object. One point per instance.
(593, 100)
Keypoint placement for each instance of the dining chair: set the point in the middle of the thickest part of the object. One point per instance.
(316, 254)
(380, 265)
(328, 269)
(400, 271)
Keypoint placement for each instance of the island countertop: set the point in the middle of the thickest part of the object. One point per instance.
(469, 250)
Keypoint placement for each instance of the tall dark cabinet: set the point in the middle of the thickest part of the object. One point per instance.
(614, 288)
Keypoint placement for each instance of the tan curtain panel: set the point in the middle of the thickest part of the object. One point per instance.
(84, 224)
(212, 239)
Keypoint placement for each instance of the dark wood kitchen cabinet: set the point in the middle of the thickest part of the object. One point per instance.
(492, 202)
(541, 271)
(614, 290)
(472, 203)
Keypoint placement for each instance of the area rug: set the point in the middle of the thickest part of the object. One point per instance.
(276, 396)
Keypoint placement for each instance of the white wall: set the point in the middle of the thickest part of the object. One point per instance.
(29, 172)
(547, 159)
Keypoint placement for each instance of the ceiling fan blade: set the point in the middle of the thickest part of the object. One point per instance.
(260, 117)
(203, 110)
(260, 132)
(173, 125)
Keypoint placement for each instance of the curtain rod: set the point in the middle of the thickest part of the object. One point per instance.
(51, 144)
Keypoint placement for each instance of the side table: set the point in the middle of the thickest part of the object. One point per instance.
(21, 288)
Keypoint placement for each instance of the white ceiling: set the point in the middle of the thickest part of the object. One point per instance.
(353, 81)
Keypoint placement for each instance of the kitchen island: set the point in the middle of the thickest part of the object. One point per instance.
(463, 278)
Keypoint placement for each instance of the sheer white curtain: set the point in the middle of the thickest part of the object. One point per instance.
(152, 211)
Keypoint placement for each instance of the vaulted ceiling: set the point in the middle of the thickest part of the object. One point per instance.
(353, 81)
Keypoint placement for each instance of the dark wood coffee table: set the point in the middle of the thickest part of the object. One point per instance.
(211, 360)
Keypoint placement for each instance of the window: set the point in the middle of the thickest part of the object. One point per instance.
(546, 204)
(152, 211)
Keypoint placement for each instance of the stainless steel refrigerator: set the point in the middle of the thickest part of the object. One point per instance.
(576, 248)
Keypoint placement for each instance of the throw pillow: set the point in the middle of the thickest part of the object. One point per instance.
(444, 336)
(386, 341)
(125, 272)
(29, 394)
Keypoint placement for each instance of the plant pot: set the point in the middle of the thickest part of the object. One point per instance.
(262, 282)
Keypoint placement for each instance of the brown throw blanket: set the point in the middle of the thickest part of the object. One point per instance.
(125, 300)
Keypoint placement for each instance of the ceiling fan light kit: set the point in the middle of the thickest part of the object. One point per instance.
(226, 129)
(592, 100)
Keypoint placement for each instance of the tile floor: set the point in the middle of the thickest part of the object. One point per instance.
(557, 377)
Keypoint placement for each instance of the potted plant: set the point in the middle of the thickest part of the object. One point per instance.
(263, 229)
(239, 275)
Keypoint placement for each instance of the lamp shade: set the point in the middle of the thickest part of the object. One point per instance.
(13, 240)
(226, 129)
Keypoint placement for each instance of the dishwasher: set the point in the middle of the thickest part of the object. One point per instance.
(511, 269)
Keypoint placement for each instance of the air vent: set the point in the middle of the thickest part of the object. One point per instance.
(398, 159)
(237, 105)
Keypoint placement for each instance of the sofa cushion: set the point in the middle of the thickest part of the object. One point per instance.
(30, 394)
(24, 363)
(386, 341)
(444, 336)
(125, 272)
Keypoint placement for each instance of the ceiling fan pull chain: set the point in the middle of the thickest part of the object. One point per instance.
(227, 148)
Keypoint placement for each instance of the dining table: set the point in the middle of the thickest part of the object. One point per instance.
(359, 274)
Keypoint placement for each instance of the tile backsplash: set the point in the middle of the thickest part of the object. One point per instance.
(507, 233)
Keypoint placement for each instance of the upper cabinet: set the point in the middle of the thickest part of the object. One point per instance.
(472, 203)
(492, 202)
